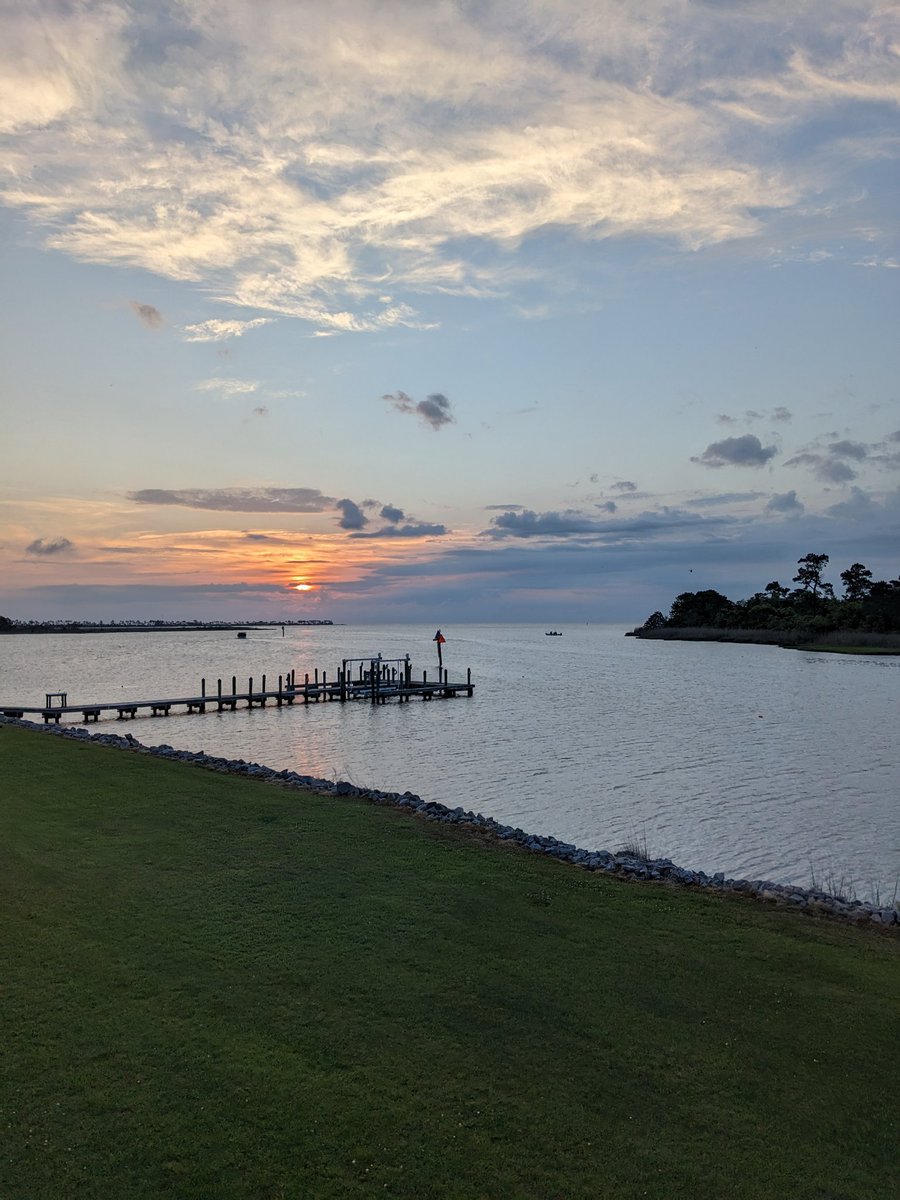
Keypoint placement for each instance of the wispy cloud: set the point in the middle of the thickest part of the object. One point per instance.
(217, 330)
(722, 498)
(750, 416)
(227, 387)
(873, 260)
(269, 499)
(607, 122)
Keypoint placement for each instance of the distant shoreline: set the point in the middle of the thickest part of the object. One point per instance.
(155, 627)
(843, 641)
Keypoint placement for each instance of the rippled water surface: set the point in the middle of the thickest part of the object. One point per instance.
(751, 760)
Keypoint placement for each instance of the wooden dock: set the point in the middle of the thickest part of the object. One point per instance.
(375, 680)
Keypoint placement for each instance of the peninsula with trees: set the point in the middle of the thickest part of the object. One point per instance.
(865, 618)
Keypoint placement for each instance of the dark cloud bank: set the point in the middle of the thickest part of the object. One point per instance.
(398, 525)
(528, 524)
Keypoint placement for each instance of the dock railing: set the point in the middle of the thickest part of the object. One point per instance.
(373, 676)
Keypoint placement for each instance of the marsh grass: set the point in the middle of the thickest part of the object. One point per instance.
(886, 899)
(833, 883)
(636, 846)
(837, 642)
(215, 987)
(841, 886)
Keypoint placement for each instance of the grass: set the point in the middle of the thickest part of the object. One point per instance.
(215, 988)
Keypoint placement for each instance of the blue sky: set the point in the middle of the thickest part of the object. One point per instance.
(535, 311)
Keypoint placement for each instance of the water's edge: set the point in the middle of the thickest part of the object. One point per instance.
(622, 865)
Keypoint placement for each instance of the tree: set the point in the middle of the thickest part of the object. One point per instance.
(700, 608)
(882, 606)
(857, 582)
(655, 621)
(810, 574)
(775, 591)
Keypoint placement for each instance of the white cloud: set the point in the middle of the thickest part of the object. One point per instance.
(55, 62)
(227, 387)
(873, 260)
(291, 158)
(216, 330)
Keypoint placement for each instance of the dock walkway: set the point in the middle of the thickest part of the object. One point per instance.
(376, 681)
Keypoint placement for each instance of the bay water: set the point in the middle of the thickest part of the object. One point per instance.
(752, 760)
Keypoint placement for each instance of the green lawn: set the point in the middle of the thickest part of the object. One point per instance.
(217, 988)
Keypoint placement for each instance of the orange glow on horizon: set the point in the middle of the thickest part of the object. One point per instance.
(205, 557)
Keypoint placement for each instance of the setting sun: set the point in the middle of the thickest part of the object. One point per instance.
(303, 587)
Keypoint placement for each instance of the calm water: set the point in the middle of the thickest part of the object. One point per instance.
(751, 760)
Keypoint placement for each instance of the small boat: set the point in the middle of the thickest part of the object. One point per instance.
(242, 633)
(552, 633)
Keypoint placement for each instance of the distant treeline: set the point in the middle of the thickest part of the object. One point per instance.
(867, 605)
(9, 625)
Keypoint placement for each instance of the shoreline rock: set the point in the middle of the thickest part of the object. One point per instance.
(619, 865)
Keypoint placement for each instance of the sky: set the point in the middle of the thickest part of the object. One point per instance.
(387, 311)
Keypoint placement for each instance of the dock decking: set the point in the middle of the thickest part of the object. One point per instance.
(377, 680)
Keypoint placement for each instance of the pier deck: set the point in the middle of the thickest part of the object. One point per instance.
(376, 683)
